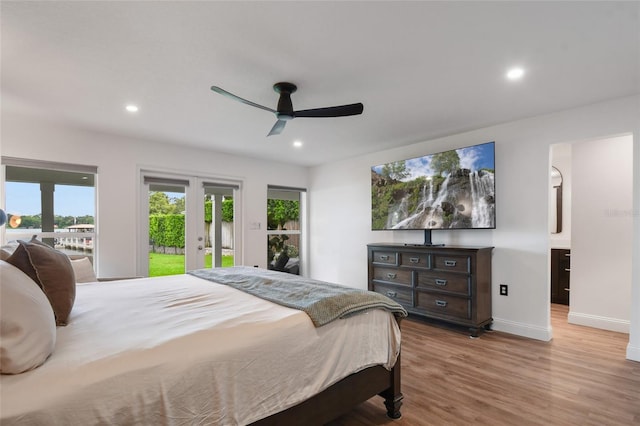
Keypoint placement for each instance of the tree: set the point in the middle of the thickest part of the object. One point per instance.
(64, 221)
(30, 221)
(280, 212)
(445, 162)
(396, 170)
(85, 219)
(178, 205)
(160, 203)
(227, 210)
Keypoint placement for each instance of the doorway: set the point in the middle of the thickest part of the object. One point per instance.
(186, 222)
(597, 224)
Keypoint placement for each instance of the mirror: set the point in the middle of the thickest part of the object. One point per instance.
(556, 201)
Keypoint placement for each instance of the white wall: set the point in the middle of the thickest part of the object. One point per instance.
(339, 200)
(340, 211)
(601, 243)
(118, 159)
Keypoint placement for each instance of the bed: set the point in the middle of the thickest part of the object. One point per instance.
(189, 350)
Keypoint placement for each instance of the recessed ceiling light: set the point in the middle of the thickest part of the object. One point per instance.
(131, 108)
(297, 144)
(515, 73)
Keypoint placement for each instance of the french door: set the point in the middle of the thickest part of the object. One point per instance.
(186, 223)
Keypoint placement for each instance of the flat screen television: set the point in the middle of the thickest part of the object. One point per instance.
(447, 190)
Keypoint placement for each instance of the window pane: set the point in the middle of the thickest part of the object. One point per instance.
(166, 229)
(283, 230)
(51, 204)
(219, 226)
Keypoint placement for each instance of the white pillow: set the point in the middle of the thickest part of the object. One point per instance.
(27, 323)
(83, 270)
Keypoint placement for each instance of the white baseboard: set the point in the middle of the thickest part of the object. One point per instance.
(595, 321)
(633, 353)
(522, 329)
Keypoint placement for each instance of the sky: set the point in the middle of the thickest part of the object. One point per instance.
(474, 158)
(24, 199)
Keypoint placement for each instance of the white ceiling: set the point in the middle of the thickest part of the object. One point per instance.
(421, 69)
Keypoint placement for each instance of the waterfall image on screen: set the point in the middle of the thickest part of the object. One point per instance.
(448, 190)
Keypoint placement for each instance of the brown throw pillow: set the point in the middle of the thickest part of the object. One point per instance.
(52, 271)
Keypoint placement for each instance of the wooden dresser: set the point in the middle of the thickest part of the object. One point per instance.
(451, 284)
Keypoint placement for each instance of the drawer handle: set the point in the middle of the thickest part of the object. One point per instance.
(567, 269)
(392, 294)
(441, 282)
(441, 303)
(391, 276)
(385, 257)
(414, 260)
(567, 289)
(449, 263)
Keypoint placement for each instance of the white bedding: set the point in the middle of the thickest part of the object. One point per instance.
(181, 350)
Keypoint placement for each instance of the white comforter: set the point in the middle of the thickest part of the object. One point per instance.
(181, 350)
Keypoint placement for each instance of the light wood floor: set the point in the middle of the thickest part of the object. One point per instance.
(581, 377)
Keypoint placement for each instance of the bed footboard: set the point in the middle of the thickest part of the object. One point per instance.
(343, 396)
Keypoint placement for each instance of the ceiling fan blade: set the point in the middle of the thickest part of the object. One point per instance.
(277, 128)
(335, 111)
(239, 99)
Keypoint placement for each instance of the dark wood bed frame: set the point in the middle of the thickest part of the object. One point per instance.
(343, 396)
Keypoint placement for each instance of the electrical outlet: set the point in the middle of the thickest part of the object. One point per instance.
(504, 290)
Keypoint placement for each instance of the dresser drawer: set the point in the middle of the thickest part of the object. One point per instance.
(451, 283)
(392, 275)
(443, 305)
(452, 263)
(401, 295)
(385, 257)
(415, 260)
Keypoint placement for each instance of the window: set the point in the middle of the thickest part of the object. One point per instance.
(53, 201)
(284, 229)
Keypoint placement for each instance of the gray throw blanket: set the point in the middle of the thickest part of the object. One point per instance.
(322, 301)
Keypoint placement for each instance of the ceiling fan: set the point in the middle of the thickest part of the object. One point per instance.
(285, 110)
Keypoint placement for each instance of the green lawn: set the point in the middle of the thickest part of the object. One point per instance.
(173, 264)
